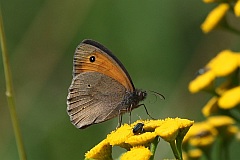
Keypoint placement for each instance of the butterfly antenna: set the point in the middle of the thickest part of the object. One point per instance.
(158, 94)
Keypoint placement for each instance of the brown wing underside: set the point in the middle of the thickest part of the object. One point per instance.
(94, 98)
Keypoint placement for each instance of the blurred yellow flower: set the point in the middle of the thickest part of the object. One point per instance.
(232, 131)
(211, 107)
(220, 121)
(201, 134)
(102, 151)
(138, 152)
(230, 98)
(237, 8)
(194, 154)
(214, 17)
(224, 63)
(202, 81)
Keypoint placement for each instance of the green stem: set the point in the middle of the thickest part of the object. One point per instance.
(9, 93)
(175, 151)
(207, 153)
(226, 152)
(179, 145)
(153, 147)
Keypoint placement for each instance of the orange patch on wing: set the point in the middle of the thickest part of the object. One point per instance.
(105, 65)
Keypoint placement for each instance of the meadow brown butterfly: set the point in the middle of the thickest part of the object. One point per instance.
(101, 87)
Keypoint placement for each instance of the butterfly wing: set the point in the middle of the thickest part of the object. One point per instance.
(94, 98)
(99, 85)
(105, 62)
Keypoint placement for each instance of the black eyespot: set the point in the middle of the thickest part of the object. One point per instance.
(89, 85)
(92, 59)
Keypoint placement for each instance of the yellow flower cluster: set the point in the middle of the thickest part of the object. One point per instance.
(218, 14)
(220, 77)
(224, 68)
(202, 135)
(138, 145)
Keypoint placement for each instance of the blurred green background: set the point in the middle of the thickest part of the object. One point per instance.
(159, 42)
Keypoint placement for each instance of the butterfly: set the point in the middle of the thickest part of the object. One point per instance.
(101, 87)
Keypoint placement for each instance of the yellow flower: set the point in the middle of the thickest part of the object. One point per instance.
(138, 152)
(150, 125)
(231, 131)
(237, 8)
(224, 63)
(214, 17)
(141, 139)
(230, 98)
(201, 82)
(195, 154)
(102, 151)
(119, 136)
(201, 134)
(220, 121)
(211, 107)
(224, 125)
(170, 128)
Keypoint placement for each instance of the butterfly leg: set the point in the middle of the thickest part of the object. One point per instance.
(119, 119)
(120, 115)
(130, 113)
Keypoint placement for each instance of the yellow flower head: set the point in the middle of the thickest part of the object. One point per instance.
(119, 136)
(214, 17)
(211, 107)
(125, 138)
(195, 154)
(224, 125)
(224, 63)
(171, 128)
(201, 134)
(102, 151)
(220, 121)
(142, 139)
(237, 8)
(150, 125)
(230, 98)
(201, 82)
(138, 152)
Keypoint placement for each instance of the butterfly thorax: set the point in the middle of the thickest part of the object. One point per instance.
(132, 99)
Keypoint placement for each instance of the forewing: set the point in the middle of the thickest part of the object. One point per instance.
(105, 62)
